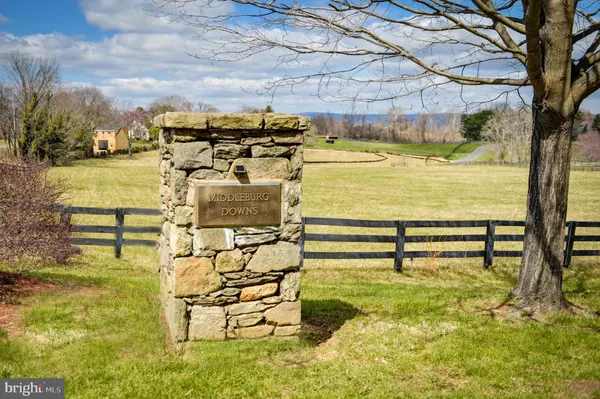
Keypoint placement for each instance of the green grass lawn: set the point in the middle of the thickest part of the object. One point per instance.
(368, 331)
(449, 151)
(141, 144)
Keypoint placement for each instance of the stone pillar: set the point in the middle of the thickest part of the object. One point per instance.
(237, 281)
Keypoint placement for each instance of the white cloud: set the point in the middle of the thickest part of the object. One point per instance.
(141, 15)
(149, 57)
(3, 19)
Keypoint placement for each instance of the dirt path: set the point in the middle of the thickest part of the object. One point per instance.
(472, 157)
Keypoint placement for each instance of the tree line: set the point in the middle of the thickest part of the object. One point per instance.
(393, 127)
(41, 118)
(509, 128)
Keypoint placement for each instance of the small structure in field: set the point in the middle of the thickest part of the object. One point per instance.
(330, 138)
(110, 139)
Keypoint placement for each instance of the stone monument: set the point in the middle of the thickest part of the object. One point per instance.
(231, 192)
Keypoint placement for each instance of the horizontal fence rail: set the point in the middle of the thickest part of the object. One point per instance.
(118, 229)
(400, 239)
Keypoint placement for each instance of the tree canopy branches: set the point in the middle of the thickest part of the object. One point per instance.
(482, 42)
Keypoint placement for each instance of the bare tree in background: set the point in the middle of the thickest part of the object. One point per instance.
(204, 107)
(589, 146)
(511, 130)
(32, 80)
(6, 112)
(388, 46)
(129, 119)
(87, 108)
(172, 103)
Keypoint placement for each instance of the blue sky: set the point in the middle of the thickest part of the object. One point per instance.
(134, 56)
(43, 16)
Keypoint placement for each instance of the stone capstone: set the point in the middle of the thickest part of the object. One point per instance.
(217, 239)
(207, 323)
(182, 120)
(252, 293)
(262, 168)
(195, 155)
(281, 256)
(275, 121)
(235, 121)
(304, 123)
(195, 276)
(284, 314)
(230, 261)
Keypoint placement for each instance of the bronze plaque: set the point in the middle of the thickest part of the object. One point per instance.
(235, 204)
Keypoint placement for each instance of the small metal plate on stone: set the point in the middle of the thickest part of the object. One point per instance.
(235, 204)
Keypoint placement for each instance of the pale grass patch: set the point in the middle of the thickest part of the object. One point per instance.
(54, 338)
(339, 156)
(379, 340)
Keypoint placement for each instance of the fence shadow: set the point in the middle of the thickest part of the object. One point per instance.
(323, 317)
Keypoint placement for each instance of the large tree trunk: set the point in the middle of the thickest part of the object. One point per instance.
(539, 287)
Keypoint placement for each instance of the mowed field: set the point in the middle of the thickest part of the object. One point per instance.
(432, 331)
(444, 150)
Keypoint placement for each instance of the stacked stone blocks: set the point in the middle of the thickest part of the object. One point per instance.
(235, 282)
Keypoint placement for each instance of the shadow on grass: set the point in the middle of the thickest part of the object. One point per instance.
(323, 317)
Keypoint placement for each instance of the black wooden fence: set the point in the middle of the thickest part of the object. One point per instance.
(400, 239)
(118, 230)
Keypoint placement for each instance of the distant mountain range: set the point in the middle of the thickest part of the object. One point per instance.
(369, 117)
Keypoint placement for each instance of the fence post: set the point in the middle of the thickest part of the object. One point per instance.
(120, 216)
(65, 221)
(65, 216)
(488, 259)
(302, 239)
(570, 241)
(400, 240)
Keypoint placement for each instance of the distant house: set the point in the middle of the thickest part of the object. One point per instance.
(110, 139)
